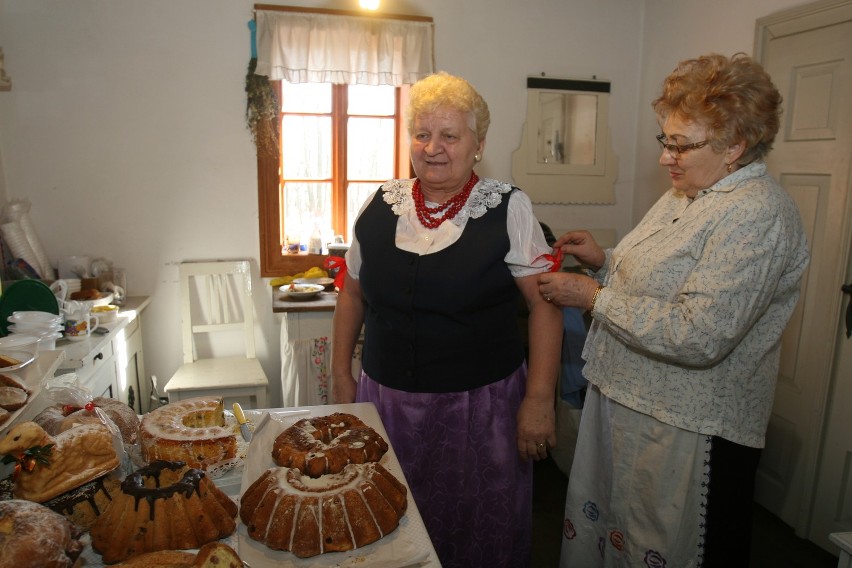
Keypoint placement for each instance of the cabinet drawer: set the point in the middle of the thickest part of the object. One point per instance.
(95, 359)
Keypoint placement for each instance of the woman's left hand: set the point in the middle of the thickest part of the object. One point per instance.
(536, 428)
(567, 289)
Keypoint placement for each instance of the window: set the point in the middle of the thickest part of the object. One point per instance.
(338, 144)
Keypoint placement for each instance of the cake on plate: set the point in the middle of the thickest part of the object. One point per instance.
(286, 510)
(193, 431)
(325, 444)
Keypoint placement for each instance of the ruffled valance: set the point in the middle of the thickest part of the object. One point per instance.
(304, 47)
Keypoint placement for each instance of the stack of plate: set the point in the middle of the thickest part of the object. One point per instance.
(45, 327)
(23, 296)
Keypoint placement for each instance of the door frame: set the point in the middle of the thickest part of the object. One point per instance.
(787, 22)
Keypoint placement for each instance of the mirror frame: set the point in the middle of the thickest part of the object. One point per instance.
(536, 86)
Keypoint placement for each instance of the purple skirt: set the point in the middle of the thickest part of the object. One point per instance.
(460, 457)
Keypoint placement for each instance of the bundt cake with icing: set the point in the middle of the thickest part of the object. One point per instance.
(325, 444)
(286, 510)
(163, 506)
(192, 431)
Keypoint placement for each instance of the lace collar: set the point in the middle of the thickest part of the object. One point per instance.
(486, 194)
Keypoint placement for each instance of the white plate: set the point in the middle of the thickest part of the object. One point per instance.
(324, 281)
(34, 318)
(104, 300)
(18, 342)
(33, 331)
(25, 358)
(301, 291)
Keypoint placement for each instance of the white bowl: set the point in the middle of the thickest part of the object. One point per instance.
(106, 314)
(48, 342)
(34, 317)
(19, 342)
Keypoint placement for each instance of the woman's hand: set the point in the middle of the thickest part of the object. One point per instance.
(568, 289)
(582, 246)
(536, 427)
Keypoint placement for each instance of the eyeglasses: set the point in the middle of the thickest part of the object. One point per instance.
(675, 150)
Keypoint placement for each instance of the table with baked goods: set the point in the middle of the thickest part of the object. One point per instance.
(407, 546)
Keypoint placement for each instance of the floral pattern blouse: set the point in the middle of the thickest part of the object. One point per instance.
(688, 327)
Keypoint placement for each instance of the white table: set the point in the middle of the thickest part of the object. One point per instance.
(410, 535)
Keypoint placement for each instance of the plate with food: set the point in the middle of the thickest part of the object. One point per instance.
(14, 360)
(301, 291)
(324, 281)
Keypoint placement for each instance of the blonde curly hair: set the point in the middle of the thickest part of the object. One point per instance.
(444, 90)
(734, 98)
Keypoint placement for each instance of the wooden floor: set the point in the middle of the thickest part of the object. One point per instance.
(773, 546)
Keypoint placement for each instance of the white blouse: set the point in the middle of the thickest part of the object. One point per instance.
(527, 244)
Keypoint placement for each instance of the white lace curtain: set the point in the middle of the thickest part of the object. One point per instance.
(303, 47)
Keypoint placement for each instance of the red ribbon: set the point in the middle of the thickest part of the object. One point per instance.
(336, 263)
(555, 259)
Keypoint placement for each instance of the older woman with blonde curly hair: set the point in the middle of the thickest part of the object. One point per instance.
(683, 352)
(435, 274)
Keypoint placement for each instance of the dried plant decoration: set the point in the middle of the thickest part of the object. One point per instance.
(5, 80)
(261, 111)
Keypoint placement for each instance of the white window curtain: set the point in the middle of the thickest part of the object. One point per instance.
(328, 48)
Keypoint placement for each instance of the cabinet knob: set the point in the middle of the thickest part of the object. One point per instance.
(99, 356)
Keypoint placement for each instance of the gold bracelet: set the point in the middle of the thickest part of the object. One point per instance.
(595, 298)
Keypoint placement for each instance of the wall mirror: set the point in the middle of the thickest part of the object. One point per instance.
(568, 119)
(566, 134)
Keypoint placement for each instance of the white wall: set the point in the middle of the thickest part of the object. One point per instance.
(676, 30)
(125, 124)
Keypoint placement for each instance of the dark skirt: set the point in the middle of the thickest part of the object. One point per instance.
(460, 457)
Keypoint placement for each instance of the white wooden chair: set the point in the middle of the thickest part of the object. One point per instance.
(216, 310)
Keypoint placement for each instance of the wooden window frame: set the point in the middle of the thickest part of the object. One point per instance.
(270, 208)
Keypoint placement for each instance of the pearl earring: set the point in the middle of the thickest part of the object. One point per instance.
(477, 157)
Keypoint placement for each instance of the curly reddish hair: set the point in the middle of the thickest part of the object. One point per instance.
(733, 98)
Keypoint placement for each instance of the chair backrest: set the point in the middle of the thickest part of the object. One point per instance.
(215, 296)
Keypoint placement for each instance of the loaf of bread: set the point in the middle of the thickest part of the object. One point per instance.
(33, 536)
(87, 294)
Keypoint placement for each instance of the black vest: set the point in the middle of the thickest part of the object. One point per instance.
(442, 322)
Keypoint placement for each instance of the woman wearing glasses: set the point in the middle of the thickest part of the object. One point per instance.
(683, 352)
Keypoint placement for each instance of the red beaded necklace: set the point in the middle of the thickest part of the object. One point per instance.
(432, 217)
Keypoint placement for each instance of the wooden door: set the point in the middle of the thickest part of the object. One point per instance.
(808, 53)
(832, 510)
